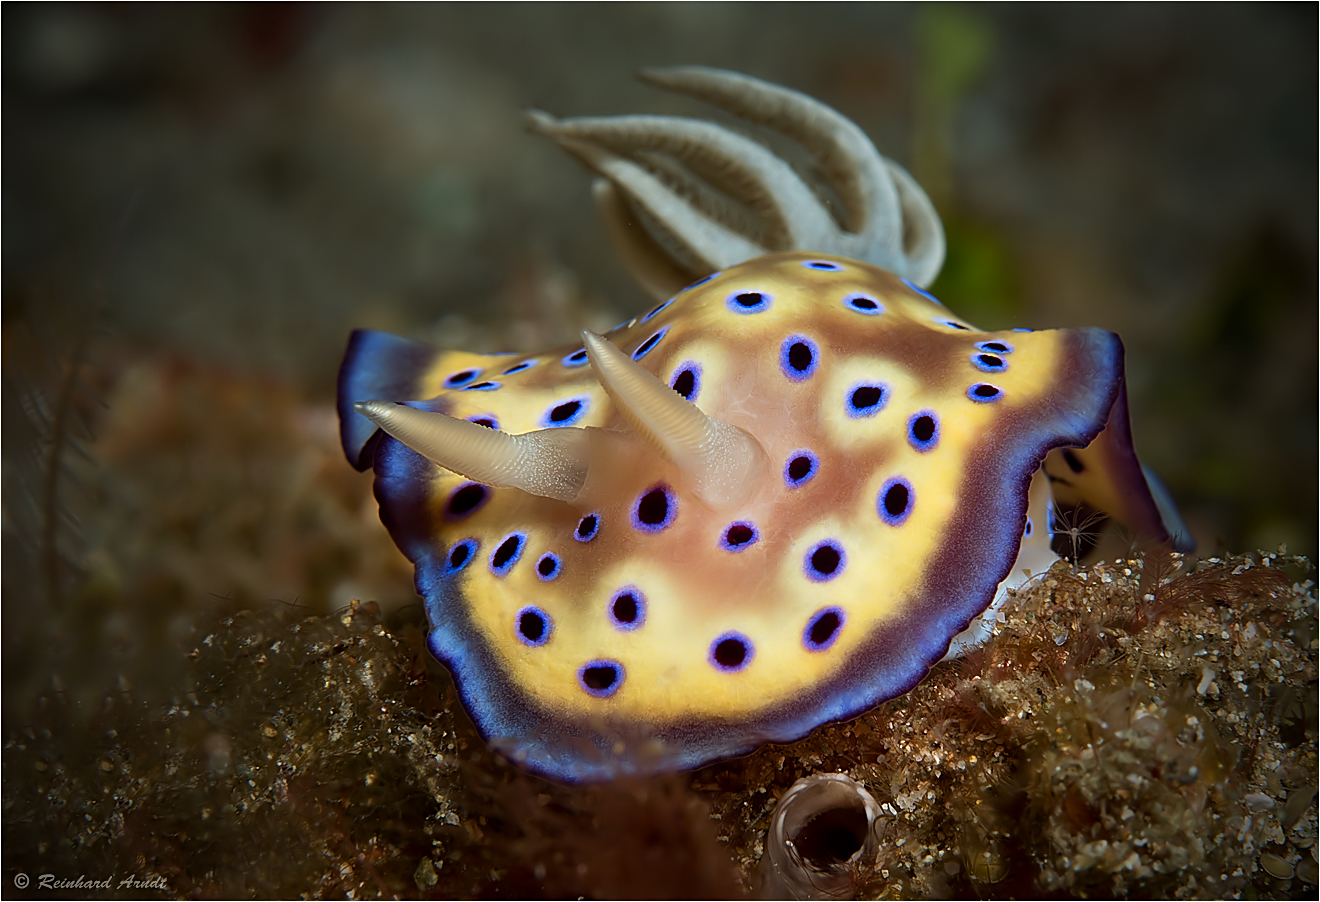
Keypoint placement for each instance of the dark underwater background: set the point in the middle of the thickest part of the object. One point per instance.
(201, 201)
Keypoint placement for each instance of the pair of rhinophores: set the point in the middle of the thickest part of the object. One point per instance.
(773, 500)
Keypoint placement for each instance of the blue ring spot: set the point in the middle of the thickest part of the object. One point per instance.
(601, 677)
(702, 281)
(800, 468)
(989, 363)
(461, 378)
(823, 628)
(1023, 329)
(519, 367)
(994, 347)
(533, 626)
(798, 357)
(748, 301)
(951, 324)
(866, 399)
(460, 555)
(587, 528)
(921, 291)
(566, 412)
(655, 311)
(507, 553)
(1026, 533)
(984, 392)
(924, 430)
(824, 561)
(739, 535)
(895, 500)
(549, 566)
(482, 386)
(627, 609)
(645, 347)
(858, 302)
(576, 359)
(687, 380)
(731, 652)
(466, 500)
(655, 509)
(823, 265)
(485, 419)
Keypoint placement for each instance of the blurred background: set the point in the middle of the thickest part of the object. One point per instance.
(200, 201)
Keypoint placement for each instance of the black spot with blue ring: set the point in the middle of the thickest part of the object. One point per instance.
(645, 347)
(951, 324)
(601, 678)
(1026, 533)
(864, 304)
(485, 419)
(924, 430)
(823, 628)
(576, 359)
(984, 392)
(655, 311)
(798, 357)
(687, 380)
(507, 553)
(566, 412)
(731, 652)
(913, 286)
(461, 378)
(895, 500)
(587, 528)
(989, 363)
(655, 509)
(549, 566)
(482, 386)
(466, 500)
(800, 468)
(702, 281)
(994, 347)
(1023, 329)
(824, 561)
(627, 609)
(740, 535)
(519, 367)
(460, 555)
(533, 626)
(823, 266)
(866, 399)
(748, 302)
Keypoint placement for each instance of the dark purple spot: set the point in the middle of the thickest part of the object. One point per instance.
(488, 421)
(801, 466)
(577, 358)
(601, 678)
(731, 652)
(658, 307)
(462, 377)
(655, 509)
(798, 357)
(923, 430)
(863, 303)
(995, 347)
(738, 536)
(548, 567)
(482, 386)
(507, 554)
(867, 400)
(984, 392)
(824, 561)
(685, 382)
(645, 347)
(534, 626)
(822, 265)
(823, 628)
(466, 499)
(566, 413)
(895, 500)
(587, 528)
(460, 555)
(627, 608)
(519, 367)
(748, 302)
(989, 363)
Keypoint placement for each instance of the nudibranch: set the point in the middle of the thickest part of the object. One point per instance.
(772, 501)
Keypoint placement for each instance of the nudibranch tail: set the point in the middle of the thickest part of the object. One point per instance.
(720, 462)
(551, 463)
